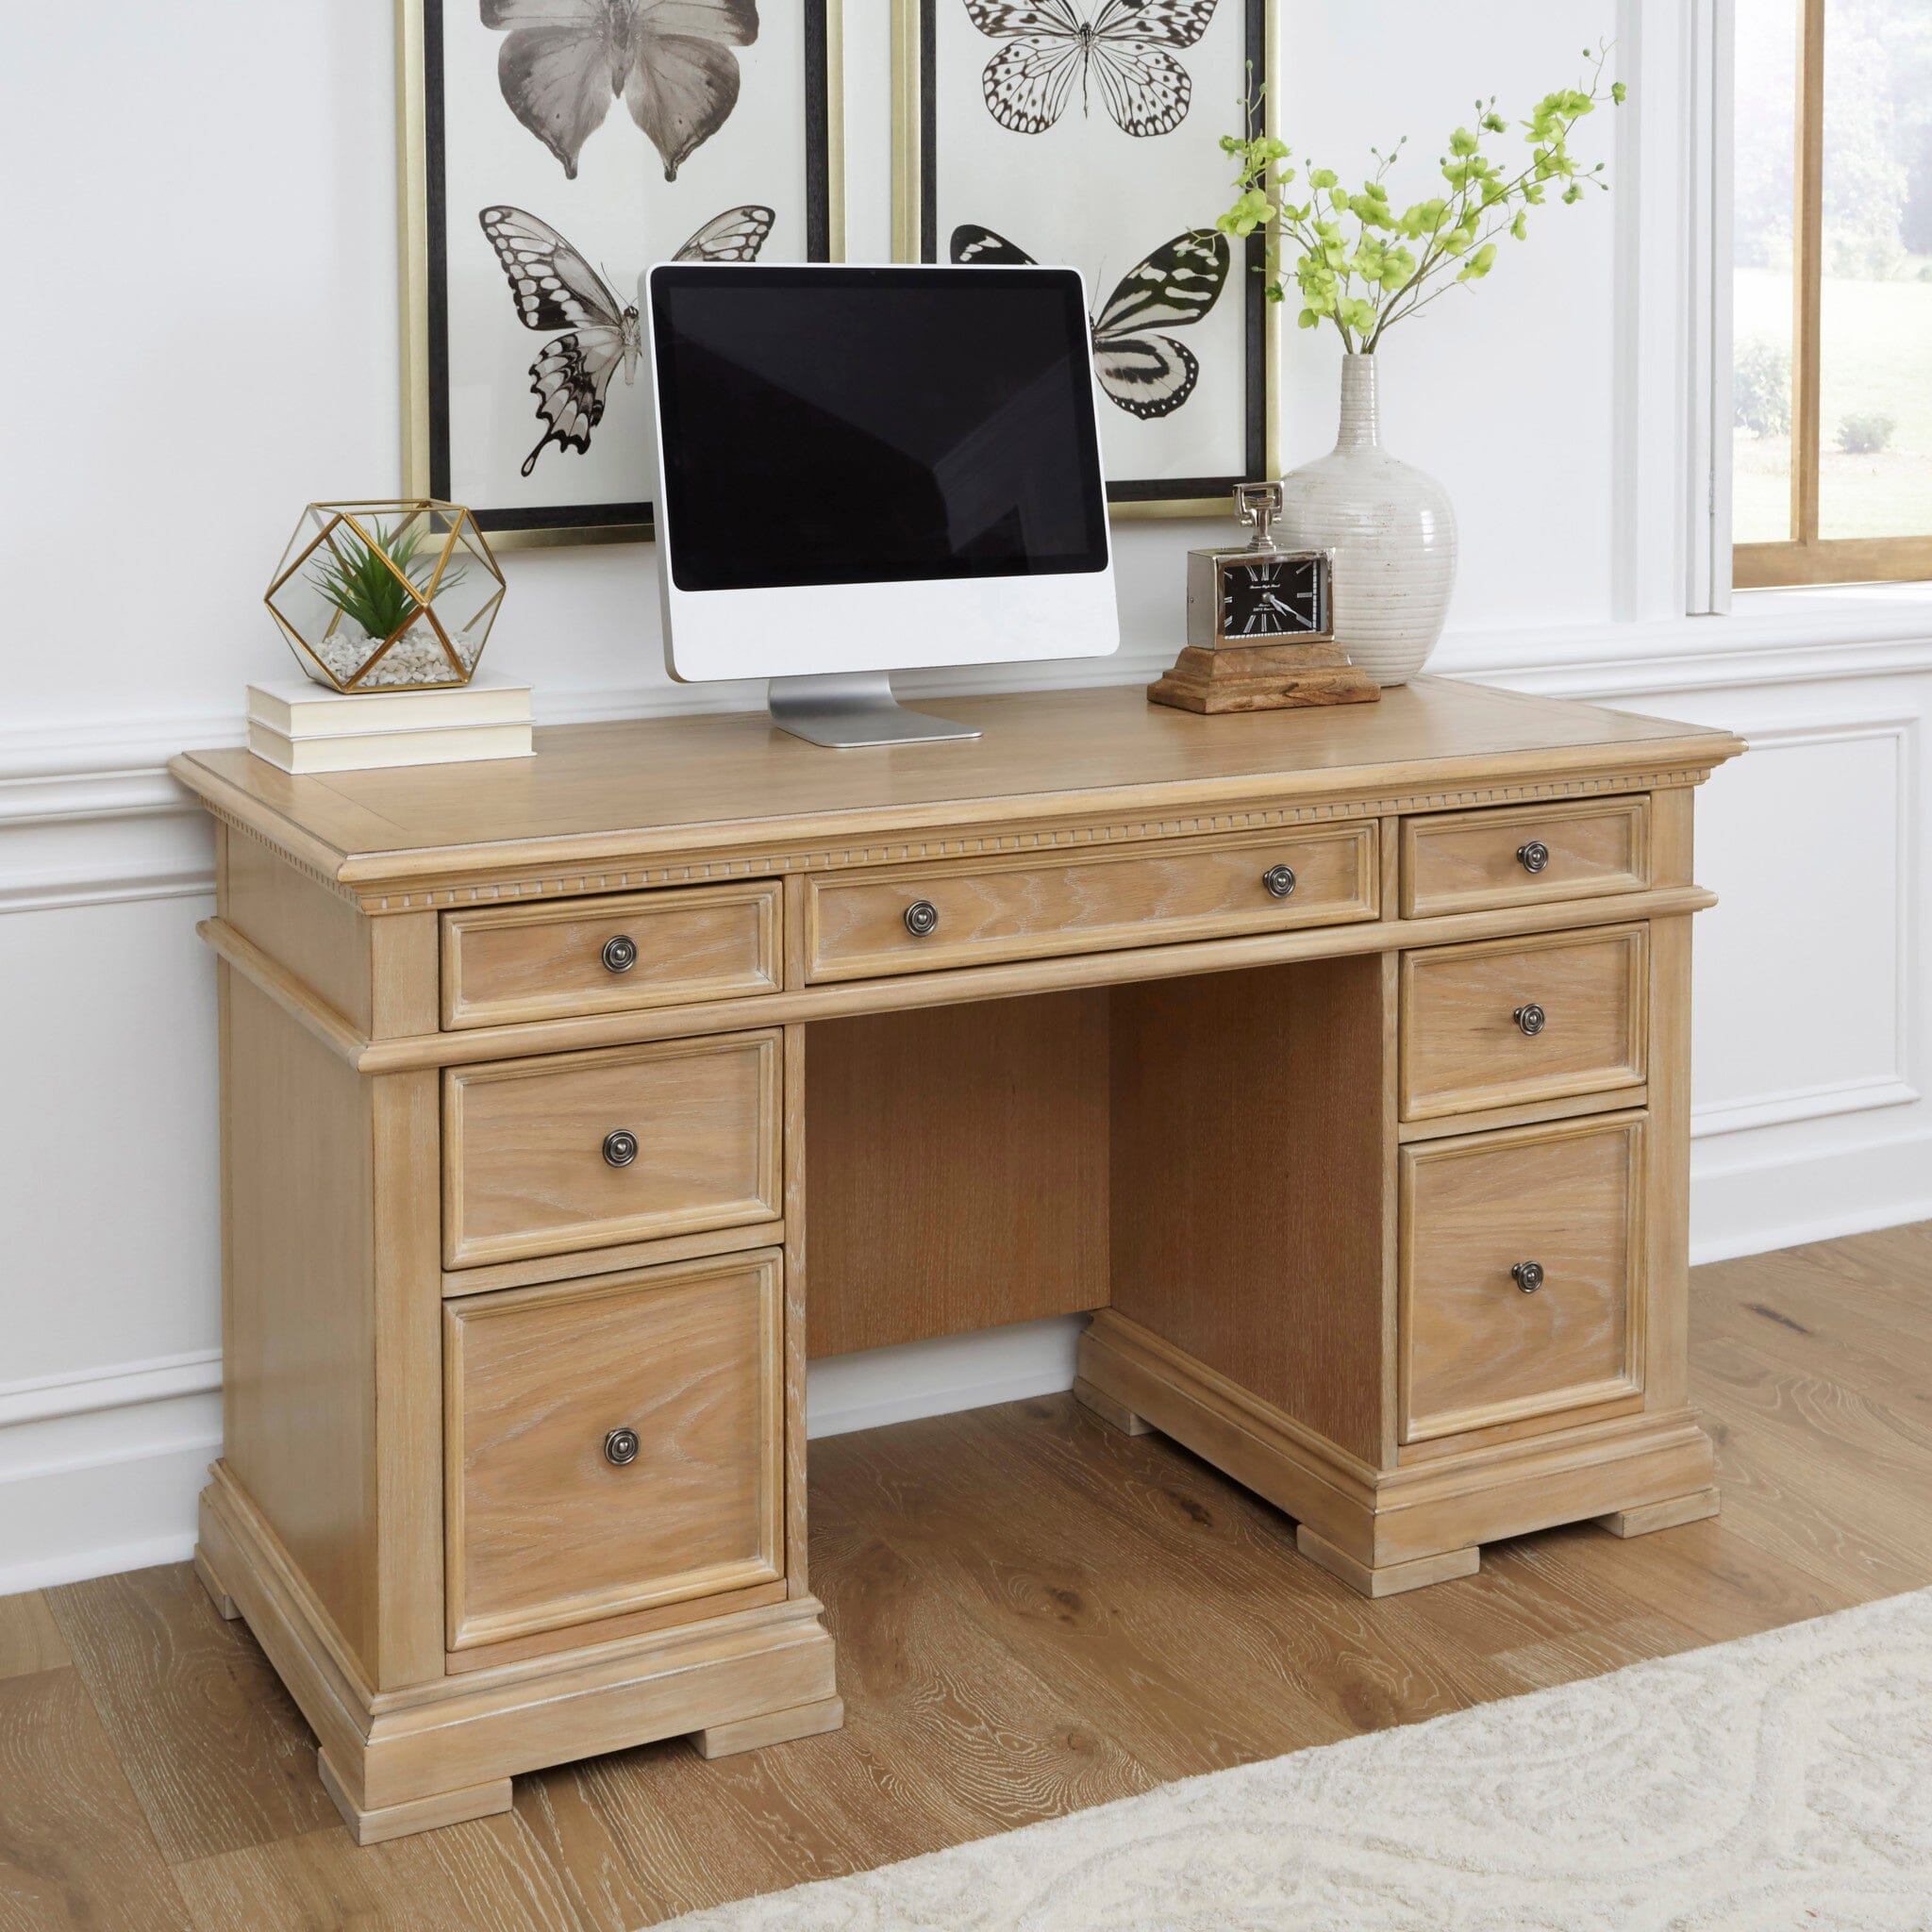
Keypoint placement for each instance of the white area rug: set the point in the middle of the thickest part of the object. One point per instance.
(1783, 1780)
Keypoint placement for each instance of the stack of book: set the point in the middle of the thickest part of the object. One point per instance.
(305, 727)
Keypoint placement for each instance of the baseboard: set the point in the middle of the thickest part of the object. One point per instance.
(845, 1393)
(65, 1525)
(99, 1473)
(1752, 1205)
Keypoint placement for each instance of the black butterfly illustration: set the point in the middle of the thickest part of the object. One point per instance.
(1125, 46)
(566, 61)
(1145, 374)
(555, 288)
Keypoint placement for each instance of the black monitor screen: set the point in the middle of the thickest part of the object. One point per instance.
(840, 426)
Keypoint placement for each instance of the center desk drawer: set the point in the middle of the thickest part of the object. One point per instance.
(1504, 1023)
(982, 910)
(584, 1150)
(507, 963)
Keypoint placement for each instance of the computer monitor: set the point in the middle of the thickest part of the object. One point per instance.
(863, 470)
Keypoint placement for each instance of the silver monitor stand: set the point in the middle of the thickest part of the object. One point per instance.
(847, 708)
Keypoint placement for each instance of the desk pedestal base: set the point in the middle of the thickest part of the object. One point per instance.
(441, 1749)
(1385, 1530)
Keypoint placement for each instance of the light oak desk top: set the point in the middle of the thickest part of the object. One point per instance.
(734, 783)
(1334, 1063)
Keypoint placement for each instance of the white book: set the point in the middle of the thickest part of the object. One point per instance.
(300, 708)
(366, 751)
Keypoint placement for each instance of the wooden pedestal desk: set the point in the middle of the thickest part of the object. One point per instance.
(1336, 1061)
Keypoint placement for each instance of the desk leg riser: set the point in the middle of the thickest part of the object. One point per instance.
(1392, 1579)
(374, 1828)
(1109, 1410)
(1665, 1515)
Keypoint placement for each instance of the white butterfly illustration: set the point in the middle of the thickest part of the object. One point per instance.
(566, 61)
(1125, 47)
(555, 288)
(1147, 374)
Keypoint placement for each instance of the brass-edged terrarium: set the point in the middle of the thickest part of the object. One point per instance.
(387, 595)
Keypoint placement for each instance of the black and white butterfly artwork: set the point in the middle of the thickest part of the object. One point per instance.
(1143, 371)
(670, 62)
(556, 289)
(1125, 51)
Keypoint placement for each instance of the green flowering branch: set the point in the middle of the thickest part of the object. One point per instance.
(1396, 264)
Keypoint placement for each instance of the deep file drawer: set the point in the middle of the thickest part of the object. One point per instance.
(612, 1446)
(1521, 1274)
(585, 1150)
(916, 920)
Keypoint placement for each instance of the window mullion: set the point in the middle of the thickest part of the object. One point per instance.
(1807, 272)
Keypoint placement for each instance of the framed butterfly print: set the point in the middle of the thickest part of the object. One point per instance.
(553, 150)
(1087, 132)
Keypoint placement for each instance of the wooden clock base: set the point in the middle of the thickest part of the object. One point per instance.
(1263, 677)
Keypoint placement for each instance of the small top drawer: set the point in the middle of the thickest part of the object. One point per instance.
(981, 910)
(1502, 1023)
(1472, 861)
(629, 1144)
(507, 963)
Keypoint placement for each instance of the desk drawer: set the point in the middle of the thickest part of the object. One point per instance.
(551, 1524)
(1506, 1021)
(1481, 1344)
(508, 963)
(1472, 861)
(1032, 907)
(530, 1166)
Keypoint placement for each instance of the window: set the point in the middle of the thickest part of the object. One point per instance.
(1831, 449)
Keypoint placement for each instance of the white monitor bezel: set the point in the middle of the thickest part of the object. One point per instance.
(826, 628)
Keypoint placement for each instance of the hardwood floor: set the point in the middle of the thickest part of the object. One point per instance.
(1036, 1614)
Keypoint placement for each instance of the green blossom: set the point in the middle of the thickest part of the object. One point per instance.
(1353, 260)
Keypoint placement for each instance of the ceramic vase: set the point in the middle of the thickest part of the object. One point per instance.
(1391, 528)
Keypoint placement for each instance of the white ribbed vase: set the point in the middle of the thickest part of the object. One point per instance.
(1391, 528)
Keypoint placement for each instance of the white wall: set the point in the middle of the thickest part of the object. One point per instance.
(207, 339)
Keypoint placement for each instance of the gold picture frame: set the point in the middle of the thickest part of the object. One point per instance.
(1266, 322)
(424, 460)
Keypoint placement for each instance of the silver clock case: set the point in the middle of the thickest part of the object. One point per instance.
(1205, 599)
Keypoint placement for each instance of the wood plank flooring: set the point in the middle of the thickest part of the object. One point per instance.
(1036, 1614)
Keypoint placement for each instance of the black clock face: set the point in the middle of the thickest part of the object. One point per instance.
(1273, 599)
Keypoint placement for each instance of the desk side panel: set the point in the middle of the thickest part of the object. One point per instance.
(300, 1293)
(1248, 1185)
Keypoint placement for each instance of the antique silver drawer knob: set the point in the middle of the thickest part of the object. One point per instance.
(1534, 855)
(922, 919)
(1279, 879)
(621, 953)
(619, 1147)
(1531, 1019)
(621, 1446)
(1528, 1276)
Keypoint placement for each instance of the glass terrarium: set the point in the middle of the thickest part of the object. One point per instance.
(387, 596)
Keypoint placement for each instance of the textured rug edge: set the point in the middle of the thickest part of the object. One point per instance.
(879, 1899)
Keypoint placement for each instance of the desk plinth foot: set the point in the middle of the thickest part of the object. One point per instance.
(1389, 1579)
(773, 1727)
(1109, 1410)
(374, 1826)
(1665, 1515)
(224, 1604)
